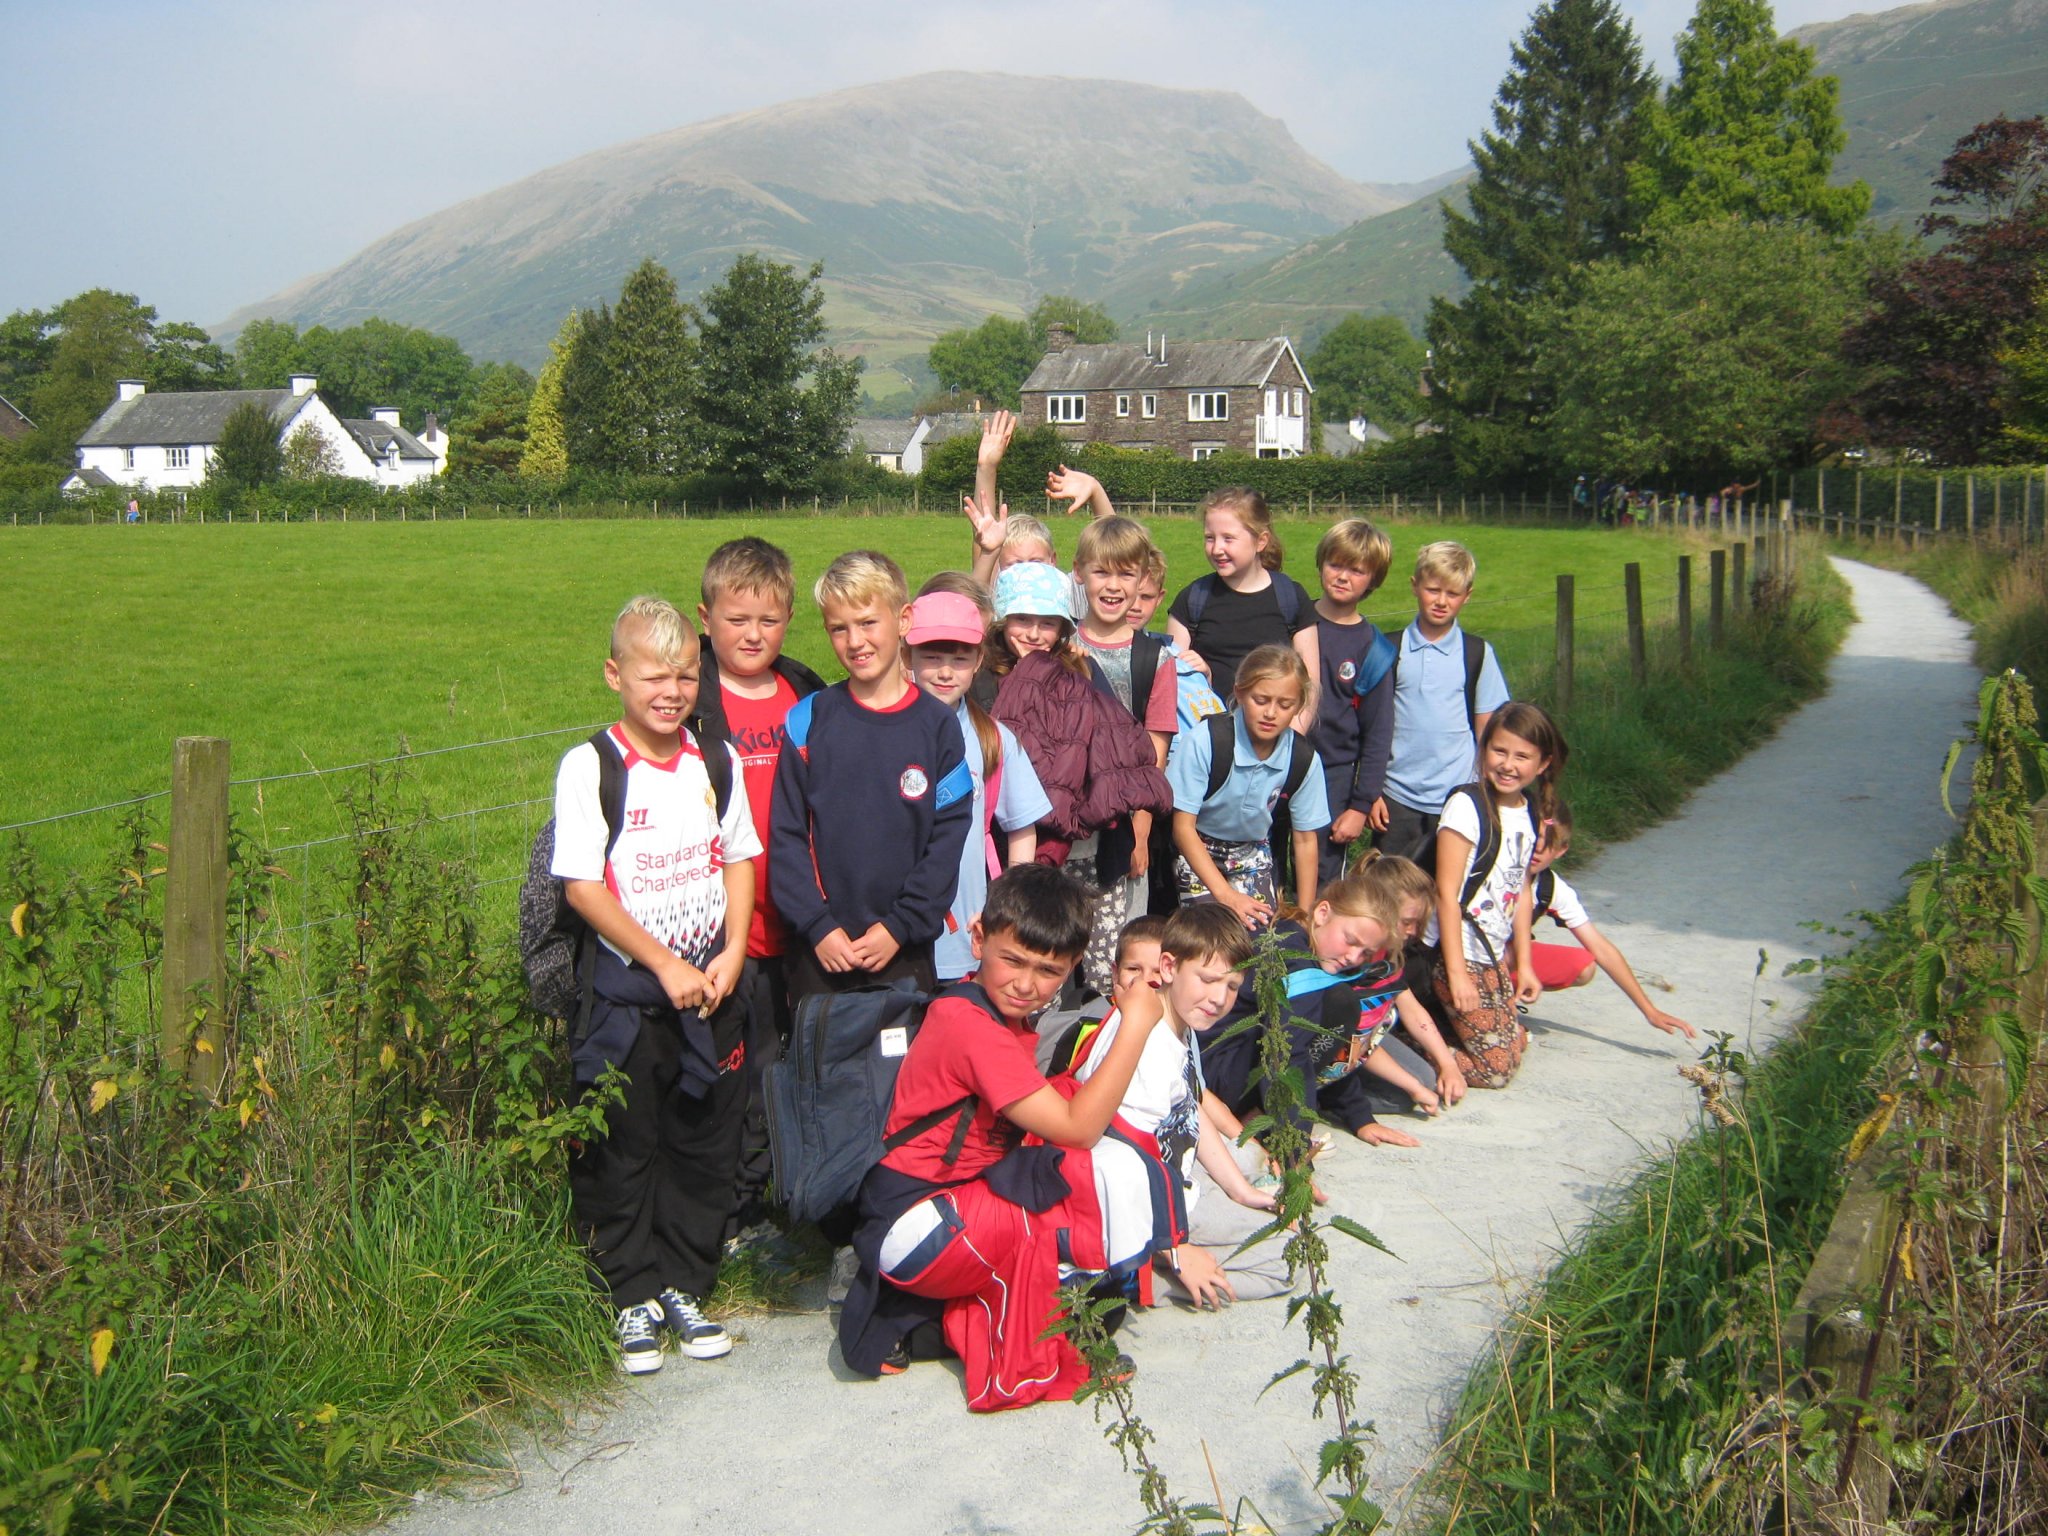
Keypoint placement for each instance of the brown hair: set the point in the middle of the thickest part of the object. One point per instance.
(1557, 826)
(1205, 929)
(748, 565)
(1249, 508)
(1541, 732)
(1149, 929)
(1357, 543)
(1115, 544)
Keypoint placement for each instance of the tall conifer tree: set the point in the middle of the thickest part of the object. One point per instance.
(651, 362)
(1553, 193)
(546, 456)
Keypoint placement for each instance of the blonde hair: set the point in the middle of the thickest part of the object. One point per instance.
(1446, 560)
(1271, 661)
(1249, 508)
(1114, 544)
(1155, 569)
(861, 577)
(1362, 895)
(1021, 529)
(1399, 880)
(653, 624)
(1357, 543)
(748, 565)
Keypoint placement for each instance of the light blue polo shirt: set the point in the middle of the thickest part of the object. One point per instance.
(1242, 811)
(1433, 747)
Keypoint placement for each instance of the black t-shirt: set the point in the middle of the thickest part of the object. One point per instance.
(1234, 624)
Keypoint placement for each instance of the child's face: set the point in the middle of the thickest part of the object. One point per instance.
(1346, 584)
(1269, 705)
(1342, 942)
(655, 696)
(1019, 981)
(1137, 968)
(1511, 763)
(944, 668)
(1414, 918)
(1145, 601)
(1024, 552)
(1547, 854)
(1110, 593)
(1028, 632)
(1198, 991)
(1230, 545)
(867, 638)
(1437, 600)
(746, 630)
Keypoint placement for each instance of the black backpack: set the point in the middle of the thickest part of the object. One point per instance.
(1484, 857)
(1287, 592)
(1223, 748)
(828, 1098)
(1146, 651)
(557, 949)
(1475, 662)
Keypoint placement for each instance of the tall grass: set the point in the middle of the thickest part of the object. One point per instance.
(2001, 592)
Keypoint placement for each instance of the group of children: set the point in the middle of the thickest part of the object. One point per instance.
(1021, 797)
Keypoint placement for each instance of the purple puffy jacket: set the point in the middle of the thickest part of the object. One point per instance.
(1093, 758)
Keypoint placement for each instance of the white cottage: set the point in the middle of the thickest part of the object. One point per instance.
(166, 441)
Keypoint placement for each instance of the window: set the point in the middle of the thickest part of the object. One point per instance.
(1123, 405)
(1205, 451)
(127, 458)
(1272, 402)
(177, 458)
(1148, 406)
(1066, 407)
(1209, 406)
(1297, 404)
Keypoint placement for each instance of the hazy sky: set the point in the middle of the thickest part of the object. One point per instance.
(204, 153)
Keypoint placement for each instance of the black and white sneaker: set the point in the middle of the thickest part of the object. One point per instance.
(696, 1335)
(639, 1344)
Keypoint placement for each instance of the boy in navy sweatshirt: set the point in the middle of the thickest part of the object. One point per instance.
(872, 799)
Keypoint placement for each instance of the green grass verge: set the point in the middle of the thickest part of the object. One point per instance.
(1619, 1398)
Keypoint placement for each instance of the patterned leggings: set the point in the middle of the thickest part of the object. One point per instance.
(1108, 910)
(1488, 1042)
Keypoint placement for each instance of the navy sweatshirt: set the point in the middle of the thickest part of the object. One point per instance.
(870, 816)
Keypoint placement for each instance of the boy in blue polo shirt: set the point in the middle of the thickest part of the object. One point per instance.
(1223, 815)
(1447, 684)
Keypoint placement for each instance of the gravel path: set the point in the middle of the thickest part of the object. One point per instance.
(1814, 825)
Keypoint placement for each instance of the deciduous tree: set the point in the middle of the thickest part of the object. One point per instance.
(1369, 366)
(1090, 323)
(1748, 129)
(1552, 194)
(772, 408)
(989, 362)
(248, 454)
(308, 455)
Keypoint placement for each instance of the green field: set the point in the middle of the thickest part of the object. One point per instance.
(319, 647)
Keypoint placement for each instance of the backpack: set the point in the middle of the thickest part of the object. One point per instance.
(1475, 662)
(1484, 857)
(557, 949)
(828, 1098)
(1146, 652)
(1286, 591)
(1223, 747)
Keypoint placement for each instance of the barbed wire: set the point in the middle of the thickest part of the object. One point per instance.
(404, 757)
(90, 810)
(406, 826)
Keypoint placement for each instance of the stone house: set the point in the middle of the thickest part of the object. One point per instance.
(1195, 398)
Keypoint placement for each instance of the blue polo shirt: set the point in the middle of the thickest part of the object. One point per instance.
(1242, 811)
(1433, 747)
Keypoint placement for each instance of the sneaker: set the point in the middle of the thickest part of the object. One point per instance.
(639, 1344)
(897, 1361)
(845, 1265)
(696, 1335)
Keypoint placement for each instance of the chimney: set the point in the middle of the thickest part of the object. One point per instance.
(387, 414)
(1148, 346)
(1058, 336)
(1160, 360)
(304, 383)
(433, 424)
(129, 389)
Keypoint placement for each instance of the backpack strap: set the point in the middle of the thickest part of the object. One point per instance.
(1475, 663)
(1288, 593)
(1382, 656)
(718, 769)
(611, 801)
(1542, 890)
(961, 1111)
(1146, 649)
(1222, 749)
(1297, 765)
(1198, 598)
(1311, 979)
(1487, 853)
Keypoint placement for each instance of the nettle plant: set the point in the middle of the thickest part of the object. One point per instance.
(1340, 1479)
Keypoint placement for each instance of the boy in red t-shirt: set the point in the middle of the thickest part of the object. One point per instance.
(972, 1231)
(749, 688)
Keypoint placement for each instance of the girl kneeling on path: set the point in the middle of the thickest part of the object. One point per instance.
(1484, 845)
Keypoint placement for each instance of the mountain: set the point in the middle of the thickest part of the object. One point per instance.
(932, 201)
(1915, 80)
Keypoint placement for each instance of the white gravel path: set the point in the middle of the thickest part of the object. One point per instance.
(1816, 824)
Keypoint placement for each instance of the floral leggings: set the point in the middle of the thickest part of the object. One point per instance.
(1487, 1043)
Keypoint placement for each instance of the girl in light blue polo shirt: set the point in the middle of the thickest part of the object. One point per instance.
(1228, 778)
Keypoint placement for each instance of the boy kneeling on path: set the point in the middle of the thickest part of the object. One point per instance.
(967, 1225)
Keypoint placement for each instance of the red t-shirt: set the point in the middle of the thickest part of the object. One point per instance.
(961, 1050)
(758, 730)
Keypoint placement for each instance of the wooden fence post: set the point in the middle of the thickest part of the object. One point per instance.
(1938, 480)
(1738, 576)
(196, 911)
(1898, 502)
(1970, 505)
(1717, 596)
(1685, 609)
(1632, 597)
(1859, 503)
(1563, 689)
(1998, 508)
(1788, 533)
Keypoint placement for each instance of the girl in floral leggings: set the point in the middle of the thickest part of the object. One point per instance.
(1488, 835)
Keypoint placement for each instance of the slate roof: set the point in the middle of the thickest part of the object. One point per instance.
(947, 424)
(1340, 443)
(882, 434)
(95, 478)
(1189, 365)
(14, 420)
(181, 417)
(377, 436)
